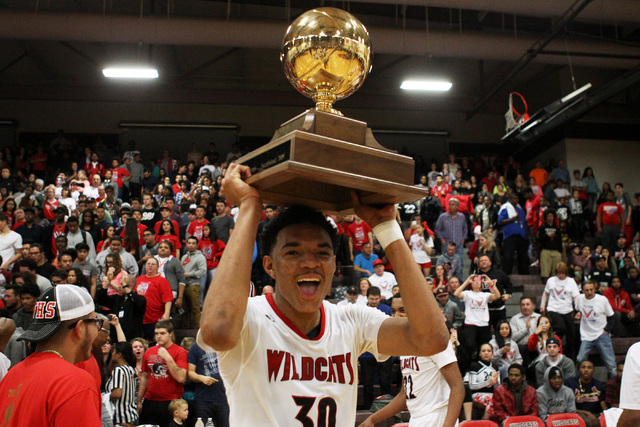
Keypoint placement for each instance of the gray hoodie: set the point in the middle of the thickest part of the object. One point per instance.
(566, 364)
(195, 266)
(551, 401)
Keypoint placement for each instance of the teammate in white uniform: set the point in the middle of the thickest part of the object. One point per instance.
(630, 389)
(432, 387)
(290, 359)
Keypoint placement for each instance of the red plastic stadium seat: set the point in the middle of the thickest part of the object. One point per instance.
(401, 425)
(523, 421)
(479, 423)
(570, 419)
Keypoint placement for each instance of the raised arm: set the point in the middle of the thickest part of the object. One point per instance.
(423, 331)
(226, 303)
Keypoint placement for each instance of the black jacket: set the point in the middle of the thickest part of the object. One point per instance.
(129, 308)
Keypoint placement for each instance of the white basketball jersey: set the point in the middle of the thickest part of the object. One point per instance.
(425, 388)
(277, 376)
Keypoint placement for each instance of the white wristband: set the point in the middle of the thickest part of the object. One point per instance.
(388, 232)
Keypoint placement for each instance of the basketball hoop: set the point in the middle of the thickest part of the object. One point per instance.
(514, 118)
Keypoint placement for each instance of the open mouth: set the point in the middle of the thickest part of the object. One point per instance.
(308, 286)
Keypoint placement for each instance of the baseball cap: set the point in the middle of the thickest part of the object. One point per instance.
(56, 306)
(599, 257)
(553, 341)
(441, 291)
(554, 371)
(622, 236)
(125, 205)
(164, 208)
(377, 262)
(352, 290)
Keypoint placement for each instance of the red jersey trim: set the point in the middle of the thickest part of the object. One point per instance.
(290, 324)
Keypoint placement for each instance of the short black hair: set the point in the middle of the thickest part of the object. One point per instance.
(29, 263)
(373, 290)
(193, 238)
(30, 289)
(72, 218)
(82, 246)
(293, 216)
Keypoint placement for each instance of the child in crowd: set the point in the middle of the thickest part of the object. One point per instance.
(180, 411)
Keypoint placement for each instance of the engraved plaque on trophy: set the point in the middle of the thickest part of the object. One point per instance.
(318, 157)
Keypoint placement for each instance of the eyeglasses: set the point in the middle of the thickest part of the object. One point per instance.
(34, 252)
(98, 322)
(57, 281)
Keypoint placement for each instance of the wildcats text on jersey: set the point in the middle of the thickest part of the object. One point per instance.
(410, 362)
(334, 369)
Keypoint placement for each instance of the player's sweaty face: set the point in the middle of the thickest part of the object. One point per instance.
(302, 263)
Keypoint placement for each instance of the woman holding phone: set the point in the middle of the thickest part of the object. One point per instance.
(476, 329)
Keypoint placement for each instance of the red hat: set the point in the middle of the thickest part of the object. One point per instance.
(377, 262)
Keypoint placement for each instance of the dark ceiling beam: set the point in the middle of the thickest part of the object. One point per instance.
(207, 64)
(13, 62)
(80, 53)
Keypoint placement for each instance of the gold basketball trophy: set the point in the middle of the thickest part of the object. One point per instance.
(318, 157)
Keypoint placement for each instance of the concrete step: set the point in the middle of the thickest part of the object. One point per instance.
(521, 279)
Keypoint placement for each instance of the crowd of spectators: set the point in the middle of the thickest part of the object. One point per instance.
(145, 238)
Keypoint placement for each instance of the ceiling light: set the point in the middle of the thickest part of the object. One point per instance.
(130, 73)
(431, 85)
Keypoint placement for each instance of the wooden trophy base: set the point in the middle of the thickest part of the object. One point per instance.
(301, 166)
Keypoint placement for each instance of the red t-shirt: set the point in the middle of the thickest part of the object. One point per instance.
(91, 366)
(161, 386)
(610, 213)
(465, 205)
(49, 207)
(212, 252)
(441, 192)
(157, 292)
(176, 227)
(532, 207)
(46, 390)
(196, 228)
(118, 175)
(40, 161)
(359, 233)
(58, 230)
(175, 241)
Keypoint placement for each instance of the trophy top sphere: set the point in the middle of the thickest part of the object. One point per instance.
(326, 55)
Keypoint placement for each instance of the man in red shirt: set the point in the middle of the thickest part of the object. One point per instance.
(441, 190)
(164, 371)
(196, 227)
(119, 175)
(157, 291)
(46, 389)
(95, 167)
(359, 233)
(625, 321)
(608, 221)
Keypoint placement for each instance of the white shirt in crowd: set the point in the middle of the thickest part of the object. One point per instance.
(10, 244)
(561, 293)
(476, 308)
(386, 282)
(419, 254)
(594, 313)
